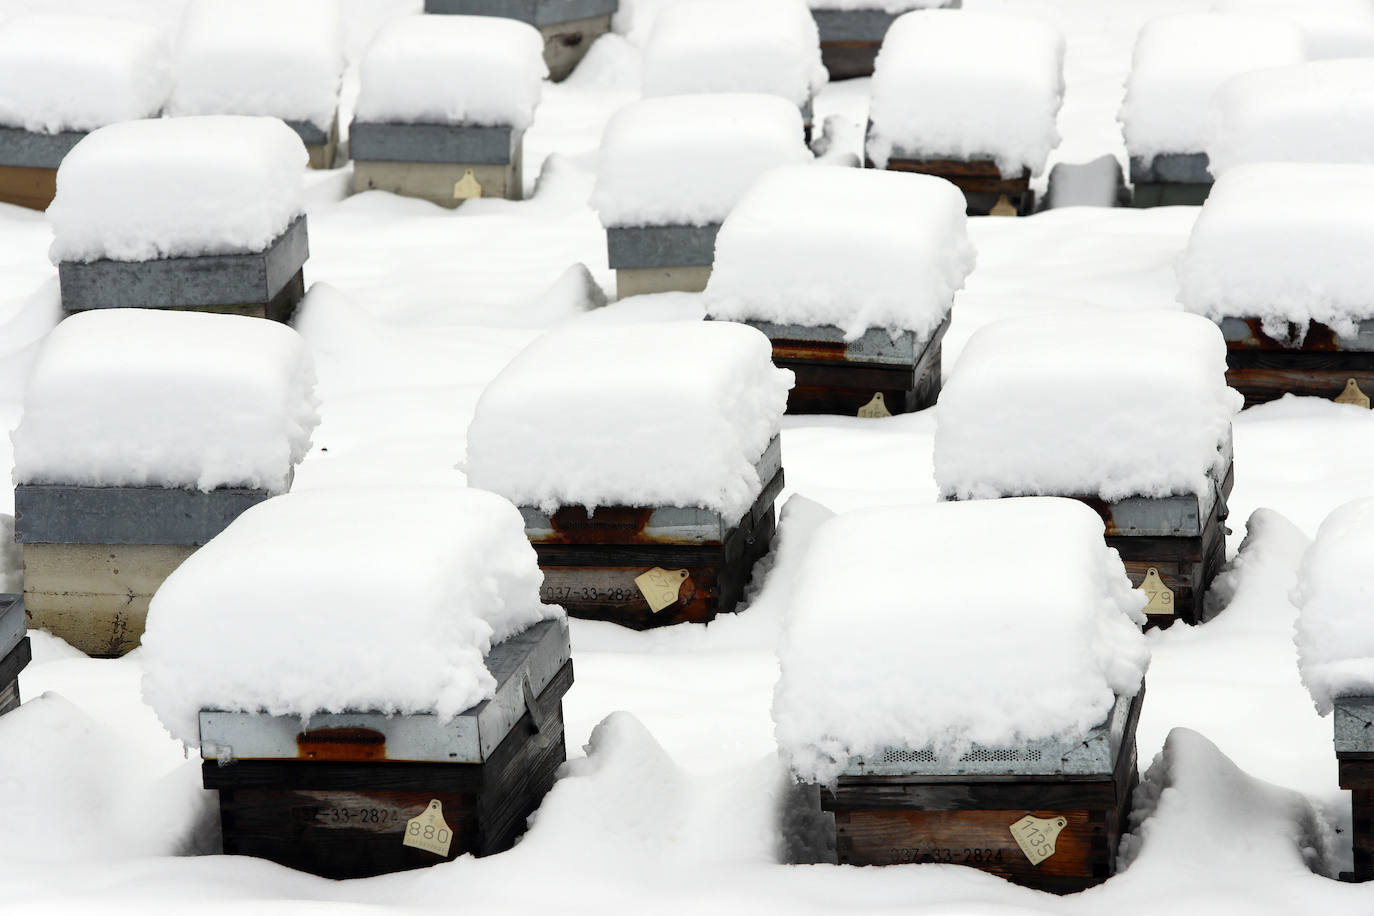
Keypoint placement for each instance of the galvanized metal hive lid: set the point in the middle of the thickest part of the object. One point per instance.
(21, 148)
(534, 656)
(13, 623)
(1353, 724)
(1095, 754)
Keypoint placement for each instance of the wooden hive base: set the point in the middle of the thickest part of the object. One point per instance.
(849, 389)
(29, 187)
(1170, 194)
(1187, 565)
(967, 820)
(986, 192)
(14, 662)
(438, 182)
(566, 43)
(348, 818)
(1357, 776)
(1265, 369)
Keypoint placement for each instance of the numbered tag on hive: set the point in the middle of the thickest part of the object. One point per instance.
(1036, 836)
(428, 831)
(1160, 595)
(1353, 395)
(875, 408)
(661, 587)
(467, 187)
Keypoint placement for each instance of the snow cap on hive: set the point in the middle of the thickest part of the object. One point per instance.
(854, 248)
(1332, 28)
(1333, 633)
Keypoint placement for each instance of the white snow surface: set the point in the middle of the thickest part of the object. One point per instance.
(767, 46)
(1285, 242)
(439, 69)
(450, 573)
(622, 403)
(1334, 28)
(897, 605)
(1335, 641)
(177, 188)
(166, 399)
(687, 159)
(1127, 404)
(281, 58)
(1321, 111)
(959, 84)
(854, 248)
(1181, 60)
(77, 73)
(886, 6)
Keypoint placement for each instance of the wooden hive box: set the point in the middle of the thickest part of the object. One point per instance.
(1324, 365)
(1048, 815)
(443, 164)
(1355, 768)
(94, 556)
(645, 567)
(657, 259)
(321, 145)
(15, 651)
(1170, 180)
(28, 165)
(876, 375)
(569, 26)
(263, 284)
(364, 793)
(850, 39)
(987, 192)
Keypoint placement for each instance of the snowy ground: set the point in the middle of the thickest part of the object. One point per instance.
(671, 807)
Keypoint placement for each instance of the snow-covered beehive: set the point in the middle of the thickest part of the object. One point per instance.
(15, 651)
(670, 170)
(962, 684)
(1335, 642)
(276, 58)
(852, 274)
(1128, 412)
(970, 97)
(766, 46)
(1332, 28)
(350, 740)
(443, 108)
(1179, 62)
(62, 77)
(568, 27)
(203, 214)
(144, 433)
(1322, 111)
(852, 30)
(656, 497)
(1279, 257)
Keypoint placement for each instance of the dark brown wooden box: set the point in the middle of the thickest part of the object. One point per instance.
(1264, 369)
(340, 808)
(966, 818)
(591, 560)
(985, 190)
(1355, 771)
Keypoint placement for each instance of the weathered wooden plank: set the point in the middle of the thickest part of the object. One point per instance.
(28, 186)
(985, 190)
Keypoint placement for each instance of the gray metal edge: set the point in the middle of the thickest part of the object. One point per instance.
(1353, 725)
(463, 144)
(875, 346)
(227, 279)
(310, 134)
(13, 622)
(682, 524)
(29, 149)
(1234, 329)
(470, 737)
(1171, 168)
(1174, 516)
(535, 12)
(61, 514)
(1093, 755)
(678, 245)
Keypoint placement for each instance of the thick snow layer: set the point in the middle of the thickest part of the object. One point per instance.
(886, 6)
(855, 248)
(177, 187)
(899, 605)
(479, 70)
(1334, 28)
(78, 73)
(1321, 111)
(952, 84)
(282, 58)
(1068, 404)
(1285, 242)
(277, 614)
(142, 397)
(768, 46)
(689, 158)
(1180, 61)
(663, 414)
(1335, 636)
